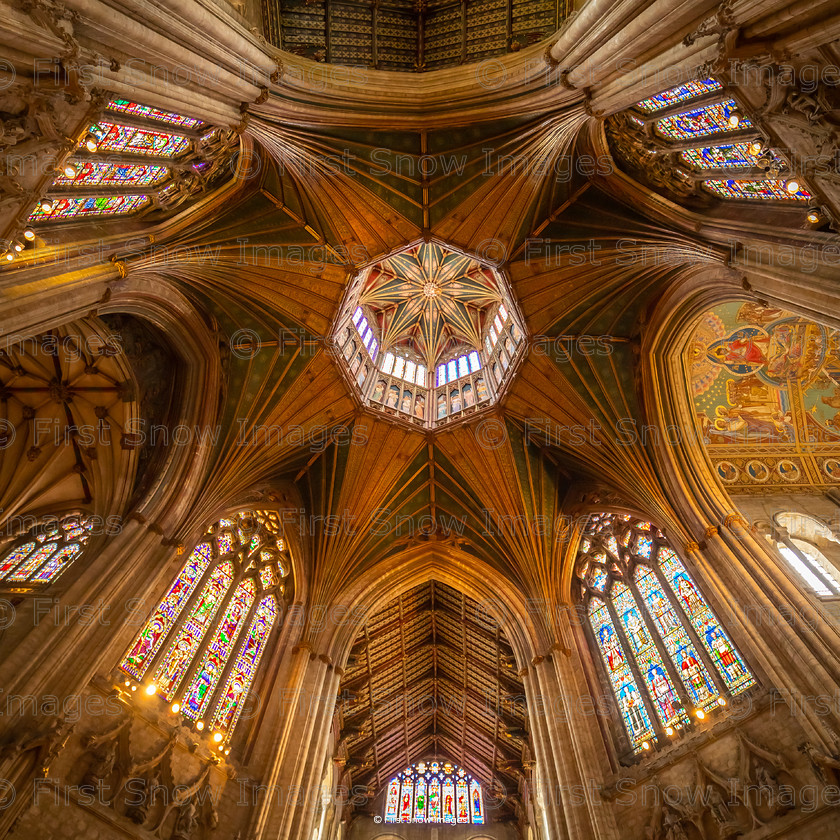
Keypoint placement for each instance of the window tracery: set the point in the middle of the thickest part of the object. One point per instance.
(800, 539)
(664, 653)
(136, 158)
(693, 140)
(434, 792)
(46, 551)
(201, 648)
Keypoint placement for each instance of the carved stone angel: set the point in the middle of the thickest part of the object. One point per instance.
(186, 823)
(102, 766)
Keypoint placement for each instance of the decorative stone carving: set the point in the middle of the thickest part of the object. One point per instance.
(102, 766)
(138, 812)
(186, 822)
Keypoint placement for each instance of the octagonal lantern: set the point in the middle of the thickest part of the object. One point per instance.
(429, 335)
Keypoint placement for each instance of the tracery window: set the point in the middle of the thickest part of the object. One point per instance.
(122, 166)
(201, 647)
(434, 792)
(693, 138)
(664, 653)
(798, 538)
(46, 551)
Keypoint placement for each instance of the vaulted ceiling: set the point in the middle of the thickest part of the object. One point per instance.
(432, 676)
(521, 177)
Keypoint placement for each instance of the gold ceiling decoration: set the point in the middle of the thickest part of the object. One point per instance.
(429, 334)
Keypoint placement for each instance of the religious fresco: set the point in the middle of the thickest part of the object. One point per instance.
(766, 389)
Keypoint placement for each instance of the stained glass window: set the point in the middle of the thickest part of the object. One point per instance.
(242, 676)
(204, 641)
(101, 174)
(729, 156)
(765, 190)
(150, 638)
(680, 93)
(123, 106)
(138, 141)
(434, 792)
(664, 653)
(726, 659)
(103, 205)
(711, 119)
(46, 551)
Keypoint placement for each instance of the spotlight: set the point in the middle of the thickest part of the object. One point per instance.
(29, 235)
(127, 682)
(756, 147)
(670, 730)
(70, 171)
(134, 688)
(10, 255)
(701, 715)
(217, 737)
(18, 247)
(91, 142)
(721, 701)
(46, 205)
(645, 745)
(792, 186)
(199, 725)
(151, 688)
(176, 707)
(734, 117)
(227, 751)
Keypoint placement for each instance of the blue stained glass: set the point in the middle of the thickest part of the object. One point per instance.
(765, 190)
(727, 660)
(700, 122)
(727, 156)
(665, 697)
(623, 683)
(680, 93)
(434, 793)
(687, 662)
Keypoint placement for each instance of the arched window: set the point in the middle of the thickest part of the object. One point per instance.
(797, 539)
(46, 551)
(201, 647)
(664, 653)
(434, 792)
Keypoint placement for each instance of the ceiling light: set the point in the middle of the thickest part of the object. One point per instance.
(17, 246)
(645, 745)
(792, 186)
(756, 147)
(701, 715)
(176, 707)
(814, 216)
(734, 117)
(46, 205)
(151, 688)
(199, 725)
(10, 255)
(91, 142)
(70, 171)
(217, 737)
(29, 235)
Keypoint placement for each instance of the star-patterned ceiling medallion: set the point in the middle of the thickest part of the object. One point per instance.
(429, 335)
